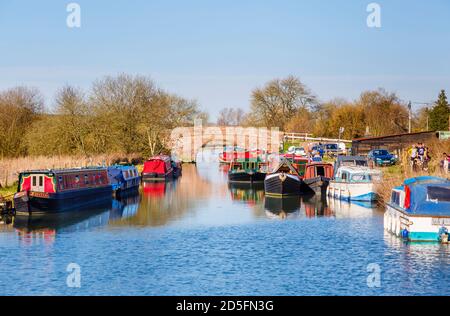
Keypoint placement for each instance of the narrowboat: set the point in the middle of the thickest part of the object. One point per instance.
(317, 178)
(284, 181)
(161, 168)
(354, 184)
(123, 178)
(58, 190)
(419, 210)
(247, 170)
(230, 153)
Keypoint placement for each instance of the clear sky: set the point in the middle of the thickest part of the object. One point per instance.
(217, 51)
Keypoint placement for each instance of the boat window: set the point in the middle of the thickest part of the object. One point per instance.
(61, 183)
(344, 176)
(395, 198)
(100, 179)
(320, 171)
(375, 177)
(439, 194)
(301, 168)
(359, 177)
(34, 181)
(41, 181)
(86, 179)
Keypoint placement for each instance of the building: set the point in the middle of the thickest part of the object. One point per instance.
(394, 143)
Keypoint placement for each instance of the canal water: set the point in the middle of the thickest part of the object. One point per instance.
(198, 236)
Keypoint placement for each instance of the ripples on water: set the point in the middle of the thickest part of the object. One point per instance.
(199, 236)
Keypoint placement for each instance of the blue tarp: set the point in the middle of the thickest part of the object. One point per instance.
(429, 196)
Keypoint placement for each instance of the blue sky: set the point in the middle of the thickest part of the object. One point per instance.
(217, 51)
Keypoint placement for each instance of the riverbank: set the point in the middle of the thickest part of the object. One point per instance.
(8, 192)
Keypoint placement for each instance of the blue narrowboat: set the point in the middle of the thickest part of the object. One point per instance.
(419, 210)
(123, 178)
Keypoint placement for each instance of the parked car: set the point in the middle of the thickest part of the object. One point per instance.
(319, 149)
(297, 151)
(382, 157)
(334, 149)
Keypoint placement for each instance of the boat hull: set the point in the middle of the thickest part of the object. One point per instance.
(36, 203)
(244, 177)
(362, 192)
(282, 185)
(317, 185)
(420, 228)
(153, 176)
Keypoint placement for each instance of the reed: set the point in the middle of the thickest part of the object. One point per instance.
(11, 167)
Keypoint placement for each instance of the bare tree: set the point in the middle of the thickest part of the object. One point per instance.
(19, 107)
(230, 117)
(279, 100)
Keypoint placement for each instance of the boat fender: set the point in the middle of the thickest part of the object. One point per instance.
(405, 233)
(443, 234)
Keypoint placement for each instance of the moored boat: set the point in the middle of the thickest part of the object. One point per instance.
(419, 210)
(284, 181)
(354, 184)
(248, 170)
(231, 153)
(317, 178)
(59, 190)
(123, 177)
(160, 168)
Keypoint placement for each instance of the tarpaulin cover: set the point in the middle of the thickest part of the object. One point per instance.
(159, 166)
(429, 196)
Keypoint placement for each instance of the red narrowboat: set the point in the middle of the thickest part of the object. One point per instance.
(317, 177)
(161, 168)
(60, 190)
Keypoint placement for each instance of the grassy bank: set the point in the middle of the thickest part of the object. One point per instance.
(395, 175)
(8, 191)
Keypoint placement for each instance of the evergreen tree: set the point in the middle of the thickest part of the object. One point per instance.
(440, 113)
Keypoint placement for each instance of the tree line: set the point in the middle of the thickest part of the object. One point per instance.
(121, 114)
(290, 105)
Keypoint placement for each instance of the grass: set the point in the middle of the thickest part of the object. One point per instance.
(7, 192)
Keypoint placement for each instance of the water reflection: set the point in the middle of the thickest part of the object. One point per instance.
(343, 209)
(250, 194)
(316, 206)
(282, 208)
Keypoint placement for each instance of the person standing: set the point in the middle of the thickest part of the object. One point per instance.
(445, 163)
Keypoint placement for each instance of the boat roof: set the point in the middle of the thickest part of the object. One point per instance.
(122, 166)
(429, 195)
(159, 157)
(320, 163)
(59, 171)
(359, 169)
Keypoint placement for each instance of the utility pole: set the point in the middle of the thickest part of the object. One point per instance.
(409, 116)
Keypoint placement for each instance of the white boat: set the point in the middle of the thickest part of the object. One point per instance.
(354, 183)
(419, 210)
